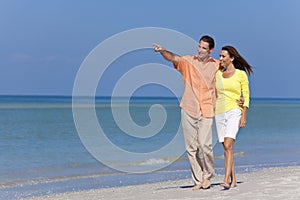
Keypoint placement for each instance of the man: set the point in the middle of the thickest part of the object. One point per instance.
(197, 107)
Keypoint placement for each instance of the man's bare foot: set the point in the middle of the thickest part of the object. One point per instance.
(206, 184)
(196, 187)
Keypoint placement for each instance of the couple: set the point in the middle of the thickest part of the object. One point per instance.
(211, 88)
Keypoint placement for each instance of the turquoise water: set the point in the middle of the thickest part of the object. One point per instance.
(41, 151)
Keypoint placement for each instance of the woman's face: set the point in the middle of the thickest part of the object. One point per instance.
(225, 58)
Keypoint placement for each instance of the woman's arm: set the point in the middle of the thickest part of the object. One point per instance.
(246, 96)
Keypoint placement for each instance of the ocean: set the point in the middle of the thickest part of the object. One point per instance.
(43, 150)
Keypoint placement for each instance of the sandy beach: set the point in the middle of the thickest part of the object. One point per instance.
(272, 183)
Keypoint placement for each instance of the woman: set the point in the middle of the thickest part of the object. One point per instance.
(231, 85)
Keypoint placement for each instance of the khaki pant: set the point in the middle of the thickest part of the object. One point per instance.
(198, 142)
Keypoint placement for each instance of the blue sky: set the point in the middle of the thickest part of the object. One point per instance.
(43, 43)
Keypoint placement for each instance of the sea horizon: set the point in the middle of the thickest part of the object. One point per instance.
(295, 99)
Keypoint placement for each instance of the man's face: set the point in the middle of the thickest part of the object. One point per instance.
(203, 50)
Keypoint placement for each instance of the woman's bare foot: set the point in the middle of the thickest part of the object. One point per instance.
(225, 185)
(233, 184)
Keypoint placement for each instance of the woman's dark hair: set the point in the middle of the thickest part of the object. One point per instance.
(239, 62)
(209, 40)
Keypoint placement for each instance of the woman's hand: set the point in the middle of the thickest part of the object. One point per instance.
(243, 121)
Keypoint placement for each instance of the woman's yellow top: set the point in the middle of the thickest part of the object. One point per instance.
(229, 90)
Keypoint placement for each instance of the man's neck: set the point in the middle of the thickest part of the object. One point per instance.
(204, 59)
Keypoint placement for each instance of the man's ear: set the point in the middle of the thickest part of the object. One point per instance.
(211, 50)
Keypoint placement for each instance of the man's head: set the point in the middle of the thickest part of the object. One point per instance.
(205, 47)
(209, 40)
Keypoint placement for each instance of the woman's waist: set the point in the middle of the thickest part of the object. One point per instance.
(226, 105)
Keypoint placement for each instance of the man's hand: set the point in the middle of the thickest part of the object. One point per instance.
(158, 48)
(169, 56)
(243, 120)
(240, 102)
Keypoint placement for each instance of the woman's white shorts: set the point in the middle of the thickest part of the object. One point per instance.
(228, 124)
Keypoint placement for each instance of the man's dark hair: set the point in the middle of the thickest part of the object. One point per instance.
(209, 40)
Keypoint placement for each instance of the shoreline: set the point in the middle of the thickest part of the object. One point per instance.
(267, 183)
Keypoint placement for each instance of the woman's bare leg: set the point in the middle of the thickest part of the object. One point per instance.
(228, 161)
(233, 177)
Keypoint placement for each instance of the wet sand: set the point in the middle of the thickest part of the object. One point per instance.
(266, 184)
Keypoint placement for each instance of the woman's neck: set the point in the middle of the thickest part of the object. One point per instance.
(230, 68)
